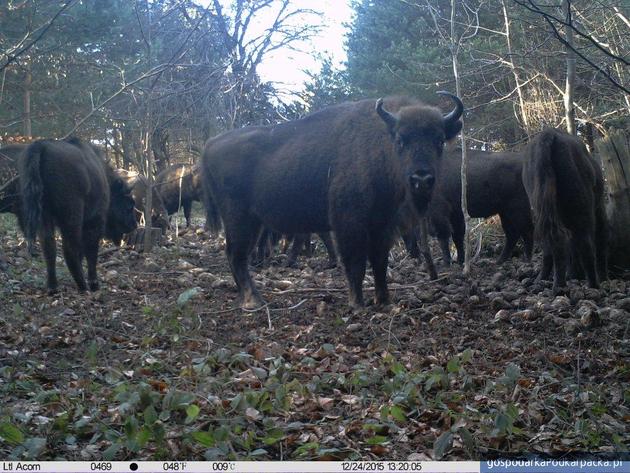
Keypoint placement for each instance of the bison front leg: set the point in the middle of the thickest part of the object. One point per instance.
(241, 236)
(379, 254)
(411, 243)
(330, 249)
(187, 204)
(352, 246)
(424, 248)
(49, 247)
(459, 230)
(91, 240)
(299, 241)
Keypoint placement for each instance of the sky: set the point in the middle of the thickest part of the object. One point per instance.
(286, 68)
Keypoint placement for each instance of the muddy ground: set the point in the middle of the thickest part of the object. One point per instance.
(161, 364)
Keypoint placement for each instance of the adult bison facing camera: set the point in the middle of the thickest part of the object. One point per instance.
(69, 185)
(566, 190)
(345, 168)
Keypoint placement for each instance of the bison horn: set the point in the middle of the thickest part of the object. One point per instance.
(386, 116)
(454, 115)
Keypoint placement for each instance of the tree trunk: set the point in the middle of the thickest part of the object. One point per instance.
(569, 109)
(517, 79)
(464, 170)
(148, 149)
(28, 81)
(127, 147)
(614, 153)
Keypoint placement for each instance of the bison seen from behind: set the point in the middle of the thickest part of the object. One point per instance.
(345, 168)
(67, 184)
(566, 190)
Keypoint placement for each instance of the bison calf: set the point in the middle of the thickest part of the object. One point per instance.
(566, 190)
(346, 168)
(66, 184)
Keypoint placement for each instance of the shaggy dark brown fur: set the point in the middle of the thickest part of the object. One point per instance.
(345, 168)
(66, 184)
(566, 190)
(495, 187)
(179, 185)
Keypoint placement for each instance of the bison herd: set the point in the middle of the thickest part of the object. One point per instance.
(360, 172)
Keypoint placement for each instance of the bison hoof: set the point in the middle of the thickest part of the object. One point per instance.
(94, 286)
(53, 290)
(252, 302)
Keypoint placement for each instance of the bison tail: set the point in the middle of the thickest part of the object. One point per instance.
(32, 189)
(546, 195)
(213, 218)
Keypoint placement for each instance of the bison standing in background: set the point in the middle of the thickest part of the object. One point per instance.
(179, 185)
(67, 184)
(139, 185)
(566, 190)
(345, 168)
(495, 186)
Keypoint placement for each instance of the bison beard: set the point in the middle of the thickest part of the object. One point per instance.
(345, 168)
(566, 190)
(68, 185)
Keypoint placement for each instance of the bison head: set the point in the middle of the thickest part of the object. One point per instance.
(419, 133)
(121, 218)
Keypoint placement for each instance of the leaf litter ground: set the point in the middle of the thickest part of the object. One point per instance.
(161, 364)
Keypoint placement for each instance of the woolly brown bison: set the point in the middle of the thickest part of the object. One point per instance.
(179, 186)
(67, 184)
(566, 190)
(495, 187)
(345, 168)
(139, 185)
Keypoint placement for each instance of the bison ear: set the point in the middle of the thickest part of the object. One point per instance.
(389, 118)
(451, 129)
